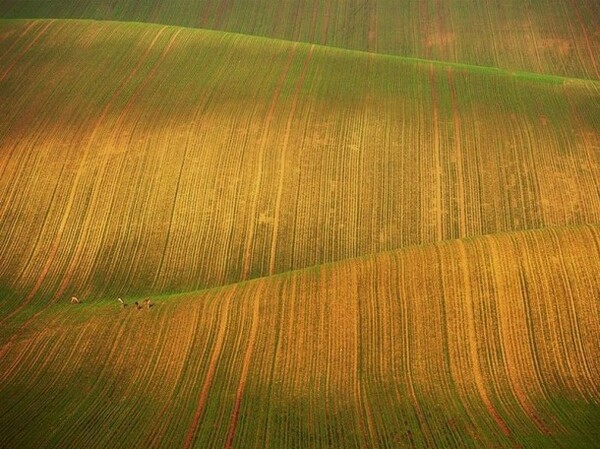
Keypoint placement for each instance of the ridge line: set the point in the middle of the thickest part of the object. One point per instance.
(518, 74)
(378, 253)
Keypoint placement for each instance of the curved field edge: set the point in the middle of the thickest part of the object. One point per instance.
(206, 158)
(483, 342)
(442, 64)
(547, 36)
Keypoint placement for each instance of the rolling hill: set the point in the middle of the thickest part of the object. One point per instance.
(484, 342)
(546, 36)
(358, 225)
(150, 178)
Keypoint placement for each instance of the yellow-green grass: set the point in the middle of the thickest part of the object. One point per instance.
(483, 342)
(150, 159)
(544, 36)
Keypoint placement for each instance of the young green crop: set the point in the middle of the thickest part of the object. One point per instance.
(543, 36)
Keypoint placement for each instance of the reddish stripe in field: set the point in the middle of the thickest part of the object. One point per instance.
(472, 343)
(212, 367)
(22, 353)
(513, 358)
(573, 318)
(23, 326)
(437, 168)
(460, 179)
(406, 338)
(244, 376)
(223, 9)
(24, 348)
(16, 41)
(424, 27)
(46, 215)
(298, 18)
(247, 260)
(516, 364)
(373, 28)
(207, 9)
(439, 39)
(183, 335)
(26, 49)
(327, 22)
(536, 45)
(360, 390)
(284, 146)
(312, 31)
(491, 21)
(584, 31)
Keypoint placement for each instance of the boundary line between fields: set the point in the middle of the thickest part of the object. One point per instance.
(491, 70)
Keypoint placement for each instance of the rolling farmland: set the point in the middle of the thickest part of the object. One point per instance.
(485, 342)
(546, 36)
(317, 160)
(356, 229)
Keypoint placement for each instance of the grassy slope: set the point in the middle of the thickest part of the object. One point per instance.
(545, 36)
(487, 342)
(205, 158)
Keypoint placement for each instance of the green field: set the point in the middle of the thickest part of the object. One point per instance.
(386, 236)
(544, 36)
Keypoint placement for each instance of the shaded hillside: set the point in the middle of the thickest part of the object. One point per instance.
(544, 36)
(205, 158)
(487, 342)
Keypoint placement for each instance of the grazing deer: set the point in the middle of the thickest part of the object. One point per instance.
(138, 305)
(123, 304)
(75, 300)
(147, 303)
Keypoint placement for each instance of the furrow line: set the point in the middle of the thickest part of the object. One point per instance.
(284, 149)
(211, 370)
(245, 367)
(251, 229)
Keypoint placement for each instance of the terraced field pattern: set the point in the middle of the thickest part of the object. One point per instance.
(359, 224)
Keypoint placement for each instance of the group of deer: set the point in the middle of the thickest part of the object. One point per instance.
(146, 305)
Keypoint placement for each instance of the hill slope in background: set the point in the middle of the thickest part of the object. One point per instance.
(488, 342)
(545, 36)
(204, 158)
